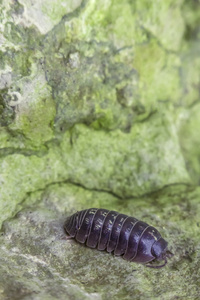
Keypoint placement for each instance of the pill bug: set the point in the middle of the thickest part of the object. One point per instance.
(125, 236)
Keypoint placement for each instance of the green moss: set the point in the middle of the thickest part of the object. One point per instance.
(6, 112)
(189, 140)
(124, 164)
(113, 86)
(160, 19)
(37, 123)
(159, 74)
(191, 14)
(189, 72)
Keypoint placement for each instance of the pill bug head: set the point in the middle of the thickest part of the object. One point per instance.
(160, 252)
(159, 249)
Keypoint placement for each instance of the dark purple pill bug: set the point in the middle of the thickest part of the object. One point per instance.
(125, 236)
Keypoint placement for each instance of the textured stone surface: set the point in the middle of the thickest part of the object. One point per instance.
(36, 261)
(99, 107)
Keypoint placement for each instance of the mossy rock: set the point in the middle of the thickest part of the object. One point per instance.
(99, 107)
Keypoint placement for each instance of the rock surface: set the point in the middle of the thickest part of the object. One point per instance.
(99, 107)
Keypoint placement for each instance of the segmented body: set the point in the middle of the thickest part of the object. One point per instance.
(125, 236)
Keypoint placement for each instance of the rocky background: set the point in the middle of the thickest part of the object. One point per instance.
(99, 107)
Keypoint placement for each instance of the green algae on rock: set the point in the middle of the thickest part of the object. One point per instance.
(134, 167)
